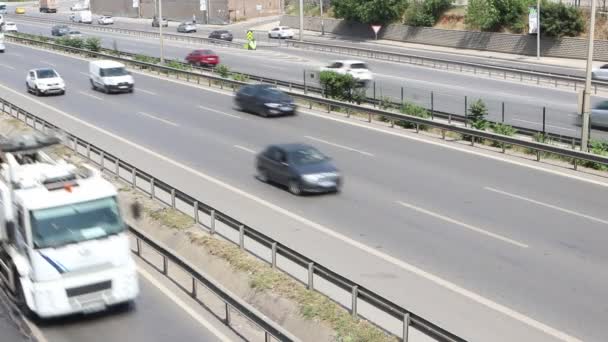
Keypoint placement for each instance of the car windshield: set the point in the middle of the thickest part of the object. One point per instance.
(46, 73)
(307, 155)
(275, 95)
(113, 72)
(58, 226)
(206, 52)
(358, 66)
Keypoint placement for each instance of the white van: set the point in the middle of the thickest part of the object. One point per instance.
(84, 17)
(110, 76)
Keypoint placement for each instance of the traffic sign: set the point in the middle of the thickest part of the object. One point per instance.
(250, 35)
(376, 29)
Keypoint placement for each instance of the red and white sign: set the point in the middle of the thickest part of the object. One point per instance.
(376, 28)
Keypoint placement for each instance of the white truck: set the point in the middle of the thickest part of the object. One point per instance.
(64, 247)
(48, 6)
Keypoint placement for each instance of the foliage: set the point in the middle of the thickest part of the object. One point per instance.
(560, 20)
(177, 65)
(597, 147)
(240, 77)
(222, 70)
(503, 129)
(415, 15)
(146, 59)
(494, 15)
(369, 11)
(93, 44)
(477, 115)
(77, 43)
(339, 86)
(413, 110)
(385, 103)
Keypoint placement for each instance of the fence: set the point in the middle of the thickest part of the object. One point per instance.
(248, 239)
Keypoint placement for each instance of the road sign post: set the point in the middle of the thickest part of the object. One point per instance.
(376, 29)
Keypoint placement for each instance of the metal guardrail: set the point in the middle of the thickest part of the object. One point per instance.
(231, 301)
(491, 71)
(247, 238)
(349, 108)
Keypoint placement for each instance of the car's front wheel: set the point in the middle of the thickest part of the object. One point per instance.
(263, 176)
(294, 187)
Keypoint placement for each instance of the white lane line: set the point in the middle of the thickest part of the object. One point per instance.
(202, 321)
(146, 91)
(338, 145)
(540, 124)
(16, 54)
(157, 118)
(464, 225)
(7, 66)
(84, 73)
(47, 63)
(547, 205)
(345, 239)
(218, 112)
(90, 95)
(245, 149)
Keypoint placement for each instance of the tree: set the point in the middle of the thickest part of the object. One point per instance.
(425, 13)
(369, 11)
(559, 20)
(493, 15)
(477, 115)
(338, 86)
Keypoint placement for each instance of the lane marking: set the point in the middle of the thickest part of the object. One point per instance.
(7, 66)
(540, 124)
(245, 149)
(146, 91)
(16, 54)
(464, 225)
(90, 95)
(218, 112)
(193, 314)
(84, 73)
(356, 244)
(338, 145)
(547, 205)
(157, 118)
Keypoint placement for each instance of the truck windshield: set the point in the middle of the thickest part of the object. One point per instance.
(58, 226)
(113, 72)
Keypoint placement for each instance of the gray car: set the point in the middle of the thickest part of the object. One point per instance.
(60, 30)
(186, 27)
(599, 115)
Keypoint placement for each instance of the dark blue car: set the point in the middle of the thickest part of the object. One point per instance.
(302, 168)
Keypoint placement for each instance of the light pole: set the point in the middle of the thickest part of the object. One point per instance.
(537, 29)
(587, 91)
(322, 23)
(301, 20)
(160, 31)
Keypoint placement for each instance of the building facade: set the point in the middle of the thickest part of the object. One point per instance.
(220, 11)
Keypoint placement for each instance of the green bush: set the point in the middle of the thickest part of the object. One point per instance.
(222, 70)
(177, 65)
(77, 43)
(597, 147)
(503, 129)
(477, 115)
(386, 103)
(93, 44)
(240, 77)
(560, 20)
(426, 12)
(494, 15)
(338, 86)
(369, 11)
(146, 59)
(413, 110)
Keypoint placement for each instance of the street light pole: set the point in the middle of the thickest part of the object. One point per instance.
(537, 29)
(160, 30)
(322, 23)
(587, 91)
(301, 20)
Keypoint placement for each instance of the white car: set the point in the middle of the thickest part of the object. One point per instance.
(601, 73)
(10, 27)
(44, 81)
(105, 20)
(281, 32)
(357, 69)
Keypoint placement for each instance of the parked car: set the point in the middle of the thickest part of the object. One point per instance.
(264, 100)
(221, 34)
(186, 27)
(60, 30)
(155, 22)
(105, 20)
(10, 27)
(20, 10)
(74, 34)
(281, 32)
(599, 115)
(44, 81)
(302, 168)
(357, 69)
(203, 57)
(110, 76)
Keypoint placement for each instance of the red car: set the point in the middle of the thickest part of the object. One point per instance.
(203, 58)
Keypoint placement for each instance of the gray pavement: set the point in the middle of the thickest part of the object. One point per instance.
(444, 91)
(529, 240)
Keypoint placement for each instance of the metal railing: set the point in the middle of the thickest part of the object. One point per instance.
(505, 73)
(197, 278)
(349, 108)
(262, 246)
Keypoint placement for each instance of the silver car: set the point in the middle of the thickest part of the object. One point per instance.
(599, 115)
(601, 73)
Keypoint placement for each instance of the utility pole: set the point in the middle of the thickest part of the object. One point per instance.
(301, 20)
(537, 29)
(587, 91)
(322, 23)
(160, 31)
(207, 11)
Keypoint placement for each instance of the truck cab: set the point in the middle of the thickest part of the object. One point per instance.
(65, 246)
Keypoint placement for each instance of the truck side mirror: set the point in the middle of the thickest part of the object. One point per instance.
(136, 210)
(10, 231)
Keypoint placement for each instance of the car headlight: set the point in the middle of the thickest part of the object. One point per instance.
(272, 105)
(313, 178)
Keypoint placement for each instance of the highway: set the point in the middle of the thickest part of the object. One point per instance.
(531, 240)
(523, 102)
